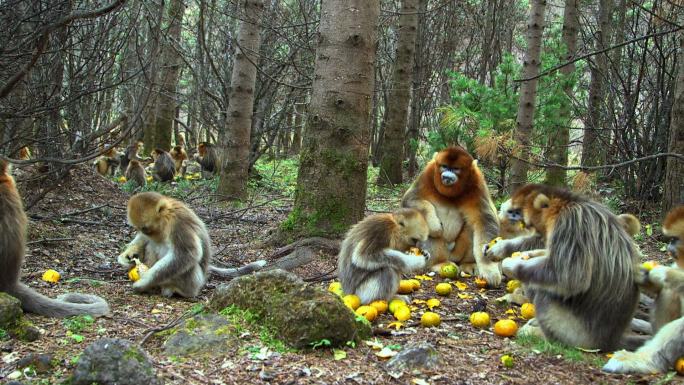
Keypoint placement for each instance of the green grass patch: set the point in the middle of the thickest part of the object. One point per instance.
(246, 321)
(553, 348)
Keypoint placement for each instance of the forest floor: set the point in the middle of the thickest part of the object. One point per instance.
(80, 227)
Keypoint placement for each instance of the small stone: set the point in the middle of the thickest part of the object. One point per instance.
(414, 357)
(201, 334)
(113, 361)
(42, 363)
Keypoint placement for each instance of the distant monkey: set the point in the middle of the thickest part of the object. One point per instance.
(667, 317)
(179, 156)
(174, 243)
(131, 153)
(452, 194)
(207, 158)
(107, 163)
(373, 254)
(583, 285)
(164, 168)
(511, 226)
(24, 153)
(13, 223)
(136, 173)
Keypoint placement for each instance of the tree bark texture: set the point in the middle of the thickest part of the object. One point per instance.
(560, 139)
(673, 193)
(235, 140)
(528, 92)
(418, 92)
(591, 143)
(331, 184)
(400, 94)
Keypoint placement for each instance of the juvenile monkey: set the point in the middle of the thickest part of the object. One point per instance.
(179, 155)
(667, 317)
(129, 154)
(174, 243)
(136, 172)
(107, 163)
(373, 254)
(13, 223)
(583, 285)
(164, 168)
(207, 158)
(511, 226)
(24, 153)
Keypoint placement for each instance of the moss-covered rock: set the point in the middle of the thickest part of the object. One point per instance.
(201, 334)
(12, 319)
(113, 361)
(299, 314)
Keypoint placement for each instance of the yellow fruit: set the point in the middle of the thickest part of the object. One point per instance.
(133, 274)
(479, 319)
(649, 265)
(122, 179)
(380, 306)
(507, 361)
(481, 283)
(336, 288)
(443, 288)
(518, 254)
(352, 301)
(679, 366)
(51, 276)
(415, 251)
(512, 285)
(149, 178)
(430, 319)
(527, 311)
(368, 312)
(416, 284)
(395, 303)
(402, 313)
(494, 241)
(449, 270)
(505, 328)
(432, 302)
(405, 287)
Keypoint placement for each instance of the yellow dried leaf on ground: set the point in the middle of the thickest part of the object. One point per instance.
(423, 277)
(51, 276)
(464, 296)
(396, 325)
(460, 285)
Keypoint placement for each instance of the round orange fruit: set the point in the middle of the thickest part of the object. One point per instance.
(505, 328)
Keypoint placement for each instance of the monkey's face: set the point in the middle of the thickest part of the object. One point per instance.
(451, 170)
(145, 214)
(6, 179)
(202, 149)
(412, 226)
(673, 228)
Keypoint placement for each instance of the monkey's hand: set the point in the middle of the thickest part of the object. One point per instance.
(409, 261)
(490, 272)
(656, 278)
(435, 227)
(511, 266)
(132, 252)
(499, 250)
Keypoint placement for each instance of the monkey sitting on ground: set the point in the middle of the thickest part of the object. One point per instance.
(178, 155)
(24, 153)
(13, 223)
(667, 316)
(164, 168)
(452, 194)
(207, 158)
(584, 287)
(174, 243)
(373, 254)
(107, 163)
(136, 173)
(131, 153)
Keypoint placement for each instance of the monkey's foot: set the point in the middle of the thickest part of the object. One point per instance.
(490, 272)
(468, 268)
(630, 362)
(531, 328)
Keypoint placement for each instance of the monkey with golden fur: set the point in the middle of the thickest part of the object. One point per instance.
(583, 285)
(374, 254)
(107, 163)
(164, 169)
(24, 153)
(178, 155)
(667, 316)
(207, 158)
(136, 172)
(129, 154)
(174, 243)
(13, 223)
(452, 194)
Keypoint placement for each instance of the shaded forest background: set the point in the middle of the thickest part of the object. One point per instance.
(339, 86)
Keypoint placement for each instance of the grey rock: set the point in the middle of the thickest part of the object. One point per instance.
(113, 361)
(414, 357)
(201, 334)
(299, 314)
(12, 319)
(42, 363)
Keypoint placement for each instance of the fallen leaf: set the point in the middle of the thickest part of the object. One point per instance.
(464, 296)
(423, 277)
(460, 285)
(156, 311)
(386, 353)
(588, 350)
(396, 325)
(510, 311)
(419, 381)
(375, 344)
(339, 354)
(419, 301)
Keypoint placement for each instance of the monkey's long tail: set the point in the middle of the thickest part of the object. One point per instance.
(238, 271)
(66, 305)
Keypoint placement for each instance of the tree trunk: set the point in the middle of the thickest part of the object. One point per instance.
(298, 123)
(331, 184)
(673, 193)
(418, 92)
(592, 153)
(169, 73)
(528, 92)
(235, 138)
(560, 139)
(400, 94)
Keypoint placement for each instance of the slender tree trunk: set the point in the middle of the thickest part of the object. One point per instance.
(331, 184)
(560, 139)
(418, 92)
(528, 92)
(169, 73)
(298, 123)
(592, 154)
(235, 139)
(400, 94)
(673, 193)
